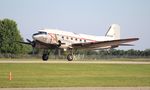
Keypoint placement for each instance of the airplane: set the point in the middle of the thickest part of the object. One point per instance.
(48, 39)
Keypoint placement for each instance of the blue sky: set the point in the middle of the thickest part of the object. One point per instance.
(81, 16)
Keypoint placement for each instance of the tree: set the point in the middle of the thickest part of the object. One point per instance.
(9, 34)
(146, 52)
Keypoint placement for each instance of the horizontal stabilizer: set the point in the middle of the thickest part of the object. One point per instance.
(126, 45)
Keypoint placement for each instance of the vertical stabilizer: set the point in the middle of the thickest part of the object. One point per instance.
(113, 31)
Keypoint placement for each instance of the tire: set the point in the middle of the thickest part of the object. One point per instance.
(69, 57)
(45, 57)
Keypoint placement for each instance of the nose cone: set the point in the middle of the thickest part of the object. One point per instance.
(41, 38)
(35, 37)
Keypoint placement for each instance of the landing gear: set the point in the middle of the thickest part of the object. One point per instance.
(45, 55)
(70, 57)
(46, 52)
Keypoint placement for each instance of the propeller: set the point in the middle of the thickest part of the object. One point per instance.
(58, 50)
(59, 43)
(32, 43)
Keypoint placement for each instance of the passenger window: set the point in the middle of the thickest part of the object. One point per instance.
(80, 40)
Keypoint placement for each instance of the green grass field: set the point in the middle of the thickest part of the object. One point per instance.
(74, 75)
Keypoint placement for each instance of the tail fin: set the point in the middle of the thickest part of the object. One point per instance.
(113, 31)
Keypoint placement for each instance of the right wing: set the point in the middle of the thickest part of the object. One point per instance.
(100, 44)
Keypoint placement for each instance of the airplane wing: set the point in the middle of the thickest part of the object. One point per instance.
(100, 44)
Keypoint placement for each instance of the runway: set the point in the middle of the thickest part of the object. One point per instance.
(80, 62)
(81, 88)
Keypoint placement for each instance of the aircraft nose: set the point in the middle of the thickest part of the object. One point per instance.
(40, 38)
(34, 36)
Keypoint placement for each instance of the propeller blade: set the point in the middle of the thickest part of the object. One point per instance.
(33, 43)
(29, 40)
(24, 42)
(59, 43)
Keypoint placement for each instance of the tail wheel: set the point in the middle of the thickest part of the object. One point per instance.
(45, 57)
(69, 57)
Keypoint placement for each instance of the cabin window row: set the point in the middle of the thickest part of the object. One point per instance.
(75, 39)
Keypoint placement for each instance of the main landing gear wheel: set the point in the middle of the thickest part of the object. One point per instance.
(69, 57)
(45, 57)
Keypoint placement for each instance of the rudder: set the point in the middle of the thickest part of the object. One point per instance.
(113, 31)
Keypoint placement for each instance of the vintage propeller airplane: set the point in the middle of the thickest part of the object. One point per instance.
(48, 39)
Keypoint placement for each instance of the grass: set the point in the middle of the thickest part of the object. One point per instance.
(73, 75)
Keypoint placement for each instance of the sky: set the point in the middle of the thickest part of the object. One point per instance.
(81, 16)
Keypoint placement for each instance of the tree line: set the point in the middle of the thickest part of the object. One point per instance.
(131, 53)
(9, 37)
(9, 46)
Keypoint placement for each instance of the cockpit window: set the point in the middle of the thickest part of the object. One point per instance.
(40, 33)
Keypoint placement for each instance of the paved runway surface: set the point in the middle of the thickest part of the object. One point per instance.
(81, 88)
(83, 62)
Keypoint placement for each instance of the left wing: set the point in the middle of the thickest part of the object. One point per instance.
(99, 44)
